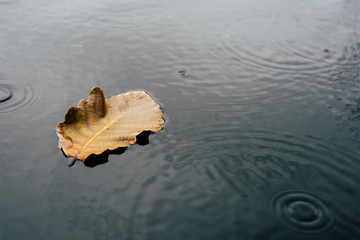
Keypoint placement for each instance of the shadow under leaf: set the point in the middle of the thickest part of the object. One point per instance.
(93, 160)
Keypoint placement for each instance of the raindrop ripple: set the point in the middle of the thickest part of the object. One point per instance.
(16, 97)
(302, 211)
(5, 94)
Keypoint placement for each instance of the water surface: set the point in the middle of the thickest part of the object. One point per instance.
(262, 110)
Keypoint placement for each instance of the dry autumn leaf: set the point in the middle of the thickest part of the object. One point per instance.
(98, 124)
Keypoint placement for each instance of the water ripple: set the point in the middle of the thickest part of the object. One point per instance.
(290, 50)
(16, 97)
(302, 211)
(5, 94)
(344, 102)
(248, 160)
(279, 59)
(248, 166)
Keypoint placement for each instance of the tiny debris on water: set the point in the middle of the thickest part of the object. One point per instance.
(183, 73)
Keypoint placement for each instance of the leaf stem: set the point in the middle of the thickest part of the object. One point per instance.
(73, 162)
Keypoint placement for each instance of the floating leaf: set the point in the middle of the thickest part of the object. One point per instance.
(98, 124)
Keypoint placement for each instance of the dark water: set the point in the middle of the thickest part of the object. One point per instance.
(262, 104)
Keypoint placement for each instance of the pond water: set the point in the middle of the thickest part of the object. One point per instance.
(262, 111)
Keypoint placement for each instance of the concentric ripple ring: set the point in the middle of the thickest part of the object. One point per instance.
(16, 97)
(302, 211)
(5, 94)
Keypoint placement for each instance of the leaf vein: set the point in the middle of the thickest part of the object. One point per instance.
(99, 132)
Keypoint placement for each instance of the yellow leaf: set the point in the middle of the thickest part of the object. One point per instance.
(98, 124)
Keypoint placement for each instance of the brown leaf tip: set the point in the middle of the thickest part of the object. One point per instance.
(96, 89)
(97, 100)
